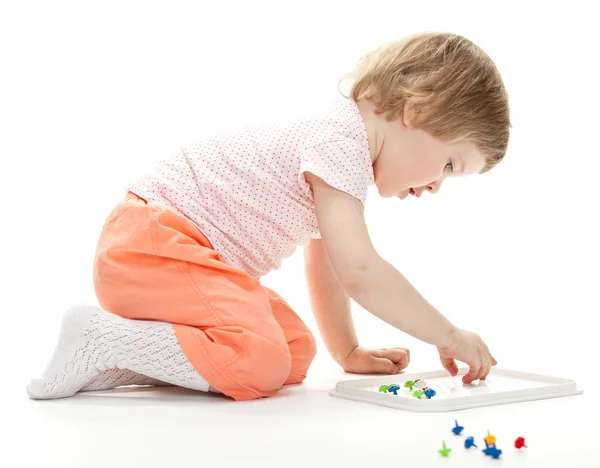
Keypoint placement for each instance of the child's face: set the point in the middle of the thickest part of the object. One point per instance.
(410, 161)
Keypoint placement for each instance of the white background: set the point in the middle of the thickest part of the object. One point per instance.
(94, 93)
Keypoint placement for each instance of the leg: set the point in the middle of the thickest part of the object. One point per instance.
(300, 340)
(92, 341)
(154, 264)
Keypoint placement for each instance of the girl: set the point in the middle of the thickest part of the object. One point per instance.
(179, 260)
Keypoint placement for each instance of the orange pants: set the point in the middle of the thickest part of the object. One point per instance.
(154, 264)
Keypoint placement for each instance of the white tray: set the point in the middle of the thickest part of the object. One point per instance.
(501, 386)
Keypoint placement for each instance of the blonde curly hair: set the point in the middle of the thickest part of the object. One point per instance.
(455, 87)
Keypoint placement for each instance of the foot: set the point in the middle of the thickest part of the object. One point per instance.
(93, 342)
(75, 360)
(113, 378)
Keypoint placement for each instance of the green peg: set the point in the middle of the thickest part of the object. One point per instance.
(418, 393)
(409, 384)
(445, 451)
(384, 388)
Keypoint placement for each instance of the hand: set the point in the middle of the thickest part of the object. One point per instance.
(376, 361)
(469, 348)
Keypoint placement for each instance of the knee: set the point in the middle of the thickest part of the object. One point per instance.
(303, 350)
(260, 370)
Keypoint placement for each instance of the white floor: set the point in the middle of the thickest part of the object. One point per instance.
(301, 426)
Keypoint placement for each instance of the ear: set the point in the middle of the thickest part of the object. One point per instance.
(409, 115)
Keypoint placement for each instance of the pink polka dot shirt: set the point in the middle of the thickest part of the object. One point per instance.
(246, 190)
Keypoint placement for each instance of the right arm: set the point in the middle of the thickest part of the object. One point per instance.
(371, 281)
(381, 289)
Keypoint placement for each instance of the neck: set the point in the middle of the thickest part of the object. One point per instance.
(370, 118)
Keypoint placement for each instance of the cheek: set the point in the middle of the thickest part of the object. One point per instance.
(423, 163)
(402, 172)
(423, 172)
(391, 173)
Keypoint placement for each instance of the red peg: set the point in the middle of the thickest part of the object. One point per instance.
(520, 443)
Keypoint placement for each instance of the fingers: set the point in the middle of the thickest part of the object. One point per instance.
(486, 365)
(449, 365)
(406, 350)
(493, 362)
(473, 374)
(385, 366)
(479, 368)
(399, 356)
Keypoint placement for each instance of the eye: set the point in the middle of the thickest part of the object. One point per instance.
(451, 164)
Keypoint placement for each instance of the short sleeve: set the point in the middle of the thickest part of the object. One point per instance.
(343, 164)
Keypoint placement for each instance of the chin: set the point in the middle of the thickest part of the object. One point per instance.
(383, 193)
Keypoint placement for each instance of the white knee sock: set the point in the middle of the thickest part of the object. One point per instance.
(92, 341)
(113, 378)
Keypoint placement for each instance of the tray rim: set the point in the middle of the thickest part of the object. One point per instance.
(354, 390)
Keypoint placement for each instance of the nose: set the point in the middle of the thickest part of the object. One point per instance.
(433, 187)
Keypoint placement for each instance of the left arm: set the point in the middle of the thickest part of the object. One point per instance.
(331, 306)
(330, 303)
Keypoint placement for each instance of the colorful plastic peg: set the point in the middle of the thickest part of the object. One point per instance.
(457, 429)
(420, 383)
(520, 442)
(409, 384)
(470, 442)
(490, 439)
(487, 450)
(444, 452)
